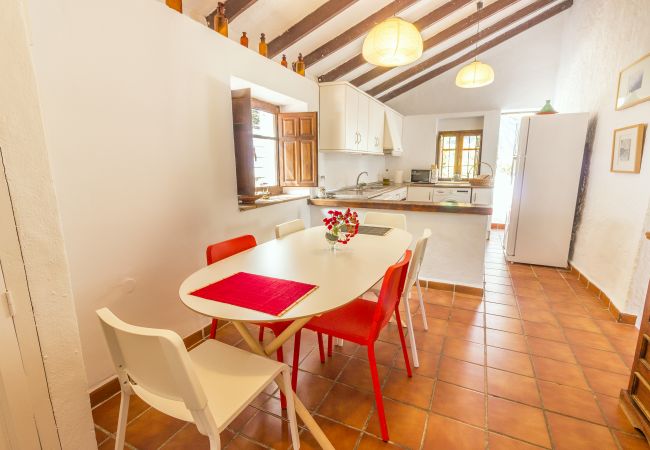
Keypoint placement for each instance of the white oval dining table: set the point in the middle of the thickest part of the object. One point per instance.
(340, 276)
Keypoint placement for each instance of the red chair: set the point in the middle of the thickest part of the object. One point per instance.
(222, 250)
(361, 321)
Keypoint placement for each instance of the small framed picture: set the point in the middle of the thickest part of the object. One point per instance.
(634, 84)
(628, 148)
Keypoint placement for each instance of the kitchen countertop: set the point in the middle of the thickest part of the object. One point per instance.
(403, 205)
(450, 184)
(273, 200)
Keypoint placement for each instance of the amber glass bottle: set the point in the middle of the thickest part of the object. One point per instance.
(263, 48)
(220, 20)
(243, 40)
(300, 65)
(284, 60)
(175, 4)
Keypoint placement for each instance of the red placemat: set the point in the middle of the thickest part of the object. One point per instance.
(265, 294)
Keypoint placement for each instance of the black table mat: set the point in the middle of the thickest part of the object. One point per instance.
(373, 231)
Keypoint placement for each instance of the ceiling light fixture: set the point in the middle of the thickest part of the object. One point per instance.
(391, 43)
(475, 74)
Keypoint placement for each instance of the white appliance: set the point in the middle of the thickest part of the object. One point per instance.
(459, 195)
(546, 172)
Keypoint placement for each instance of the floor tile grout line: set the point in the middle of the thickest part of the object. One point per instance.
(593, 393)
(438, 356)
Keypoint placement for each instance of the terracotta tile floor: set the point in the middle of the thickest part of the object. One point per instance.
(536, 363)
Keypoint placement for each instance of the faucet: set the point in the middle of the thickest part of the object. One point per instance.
(359, 186)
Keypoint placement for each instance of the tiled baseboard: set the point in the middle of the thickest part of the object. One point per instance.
(461, 289)
(604, 299)
(112, 386)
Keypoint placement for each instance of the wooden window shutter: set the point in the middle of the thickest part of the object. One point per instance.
(298, 159)
(243, 134)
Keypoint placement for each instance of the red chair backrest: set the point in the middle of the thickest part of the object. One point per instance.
(389, 296)
(222, 250)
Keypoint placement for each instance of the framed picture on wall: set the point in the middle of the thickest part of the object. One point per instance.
(634, 84)
(628, 148)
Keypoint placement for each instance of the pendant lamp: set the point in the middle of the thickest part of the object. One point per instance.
(475, 74)
(393, 42)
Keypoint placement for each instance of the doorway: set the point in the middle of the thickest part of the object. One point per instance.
(503, 181)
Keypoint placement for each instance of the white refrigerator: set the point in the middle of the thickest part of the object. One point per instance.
(546, 174)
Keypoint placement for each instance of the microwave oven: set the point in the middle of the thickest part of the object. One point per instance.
(421, 176)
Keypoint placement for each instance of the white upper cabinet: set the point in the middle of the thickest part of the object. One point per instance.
(350, 120)
(363, 121)
(393, 132)
(376, 126)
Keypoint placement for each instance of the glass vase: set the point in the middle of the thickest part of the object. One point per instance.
(332, 240)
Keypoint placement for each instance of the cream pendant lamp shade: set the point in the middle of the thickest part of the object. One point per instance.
(393, 42)
(475, 75)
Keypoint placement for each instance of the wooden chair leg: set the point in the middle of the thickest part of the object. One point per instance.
(422, 309)
(260, 336)
(403, 341)
(379, 401)
(291, 413)
(121, 421)
(296, 361)
(329, 345)
(280, 358)
(215, 442)
(213, 328)
(321, 350)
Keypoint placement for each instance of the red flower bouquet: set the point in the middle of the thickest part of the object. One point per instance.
(341, 227)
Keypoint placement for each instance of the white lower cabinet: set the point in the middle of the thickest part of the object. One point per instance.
(482, 196)
(397, 195)
(419, 194)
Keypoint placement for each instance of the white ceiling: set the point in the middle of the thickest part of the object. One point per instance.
(273, 17)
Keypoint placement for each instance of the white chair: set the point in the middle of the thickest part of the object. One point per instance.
(391, 220)
(209, 385)
(289, 227)
(412, 278)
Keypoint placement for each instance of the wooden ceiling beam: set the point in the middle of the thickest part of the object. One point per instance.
(307, 24)
(462, 45)
(481, 49)
(233, 9)
(442, 36)
(422, 23)
(357, 30)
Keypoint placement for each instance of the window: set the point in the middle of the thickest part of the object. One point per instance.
(265, 142)
(459, 154)
(272, 149)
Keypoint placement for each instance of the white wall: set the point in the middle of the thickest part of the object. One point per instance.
(342, 169)
(460, 123)
(421, 132)
(525, 72)
(610, 249)
(137, 112)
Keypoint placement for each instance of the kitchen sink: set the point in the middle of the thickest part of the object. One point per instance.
(365, 192)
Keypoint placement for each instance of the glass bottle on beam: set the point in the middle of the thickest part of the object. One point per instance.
(220, 20)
